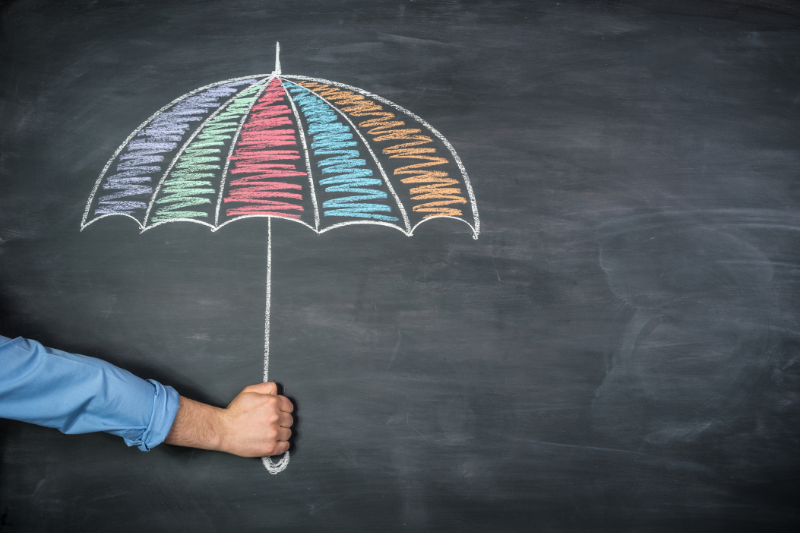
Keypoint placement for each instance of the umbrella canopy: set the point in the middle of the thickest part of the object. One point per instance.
(321, 153)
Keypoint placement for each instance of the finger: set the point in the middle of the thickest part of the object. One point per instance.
(284, 434)
(280, 447)
(285, 404)
(263, 388)
(285, 420)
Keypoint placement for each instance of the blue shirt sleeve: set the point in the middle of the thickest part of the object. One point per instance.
(79, 394)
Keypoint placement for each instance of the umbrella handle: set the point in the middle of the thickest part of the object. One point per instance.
(274, 468)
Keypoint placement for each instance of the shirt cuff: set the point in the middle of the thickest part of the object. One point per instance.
(166, 402)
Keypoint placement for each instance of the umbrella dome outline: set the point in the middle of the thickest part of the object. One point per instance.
(254, 153)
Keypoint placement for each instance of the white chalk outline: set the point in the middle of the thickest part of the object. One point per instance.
(411, 233)
(308, 157)
(369, 149)
(130, 138)
(364, 222)
(297, 220)
(269, 300)
(475, 228)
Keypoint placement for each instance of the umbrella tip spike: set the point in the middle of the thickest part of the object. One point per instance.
(277, 71)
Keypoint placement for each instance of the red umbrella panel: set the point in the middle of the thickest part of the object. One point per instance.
(320, 153)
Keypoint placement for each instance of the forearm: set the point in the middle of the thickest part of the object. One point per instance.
(197, 425)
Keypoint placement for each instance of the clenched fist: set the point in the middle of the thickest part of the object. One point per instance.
(255, 424)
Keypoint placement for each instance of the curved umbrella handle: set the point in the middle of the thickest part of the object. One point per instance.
(274, 468)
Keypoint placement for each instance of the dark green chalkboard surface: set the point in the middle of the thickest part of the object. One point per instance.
(618, 350)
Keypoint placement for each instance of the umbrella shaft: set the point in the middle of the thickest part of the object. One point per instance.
(269, 298)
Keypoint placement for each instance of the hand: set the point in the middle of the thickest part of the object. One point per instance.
(255, 424)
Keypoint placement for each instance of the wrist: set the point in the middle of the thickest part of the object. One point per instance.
(218, 421)
(198, 425)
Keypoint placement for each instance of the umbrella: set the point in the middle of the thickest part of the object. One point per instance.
(316, 152)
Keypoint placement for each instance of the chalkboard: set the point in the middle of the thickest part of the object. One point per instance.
(617, 350)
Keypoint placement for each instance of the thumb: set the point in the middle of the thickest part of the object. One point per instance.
(263, 388)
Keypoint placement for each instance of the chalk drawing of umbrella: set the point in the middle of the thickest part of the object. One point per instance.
(317, 152)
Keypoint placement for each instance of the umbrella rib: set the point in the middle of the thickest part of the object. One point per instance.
(308, 159)
(374, 157)
(194, 134)
(132, 135)
(233, 146)
(477, 227)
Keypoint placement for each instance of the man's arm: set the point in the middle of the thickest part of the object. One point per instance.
(78, 394)
(255, 424)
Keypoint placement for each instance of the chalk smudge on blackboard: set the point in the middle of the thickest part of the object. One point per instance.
(699, 345)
